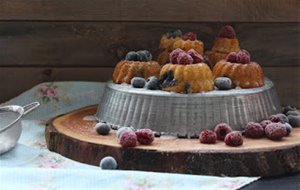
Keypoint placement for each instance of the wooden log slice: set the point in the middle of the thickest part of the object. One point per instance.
(73, 136)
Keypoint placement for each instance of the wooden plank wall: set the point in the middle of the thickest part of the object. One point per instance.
(46, 40)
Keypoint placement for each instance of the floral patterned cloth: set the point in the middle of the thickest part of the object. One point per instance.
(30, 165)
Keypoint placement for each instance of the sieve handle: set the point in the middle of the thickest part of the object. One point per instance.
(28, 108)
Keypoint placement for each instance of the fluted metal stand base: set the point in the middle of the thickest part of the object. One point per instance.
(186, 114)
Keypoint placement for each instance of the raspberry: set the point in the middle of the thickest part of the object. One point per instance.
(227, 31)
(222, 130)
(246, 52)
(174, 54)
(189, 36)
(275, 131)
(234, 138)
(184, 59)
(197, 58)
(254, 130)
(231, 57)
(208, 137)
(243, 57)
(145, 136)
(128, 139)
(264, 123)
(279, 118)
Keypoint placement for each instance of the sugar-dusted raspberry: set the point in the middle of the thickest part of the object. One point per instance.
(207, 137)
(275, 131)
(128, 139)
(189, 36)
(234, 138)
(243, 57)
(264, 123)
(197, 58)
(174, 54)
(231, 57)
(145, 136)
(279, 118)
(254, 130)
(184, 59)
(227, 31)
(222, 130)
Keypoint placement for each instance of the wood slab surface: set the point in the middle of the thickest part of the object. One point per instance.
(72, 135)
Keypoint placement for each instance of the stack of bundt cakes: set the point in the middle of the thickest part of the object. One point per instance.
(173, 40)
(225, 43)
(185, 70)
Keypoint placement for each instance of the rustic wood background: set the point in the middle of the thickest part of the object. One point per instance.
(47, 40)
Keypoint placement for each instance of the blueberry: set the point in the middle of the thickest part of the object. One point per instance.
(153, 83)
(288, 128)
(138, 82)
(223, 83)
(132, 56)
(283, 117)
(102, 128)
(288, 108)
(294, 120)
(108, 163)
(144, 55)
(123, 129)
(292, 113)
(174, 33)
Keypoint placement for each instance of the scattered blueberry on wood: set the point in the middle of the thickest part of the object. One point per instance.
(288, 128)
(102, 128)
(123, 129)
(108, 163)
(294, 120)
(288, 108)
(223, 83)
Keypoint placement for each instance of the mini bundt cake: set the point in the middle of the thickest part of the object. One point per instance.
(240, 70)
(186, 73)
(136, 64)
(166, 45)
(189, 41)
(225, 43)
(168, 39)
